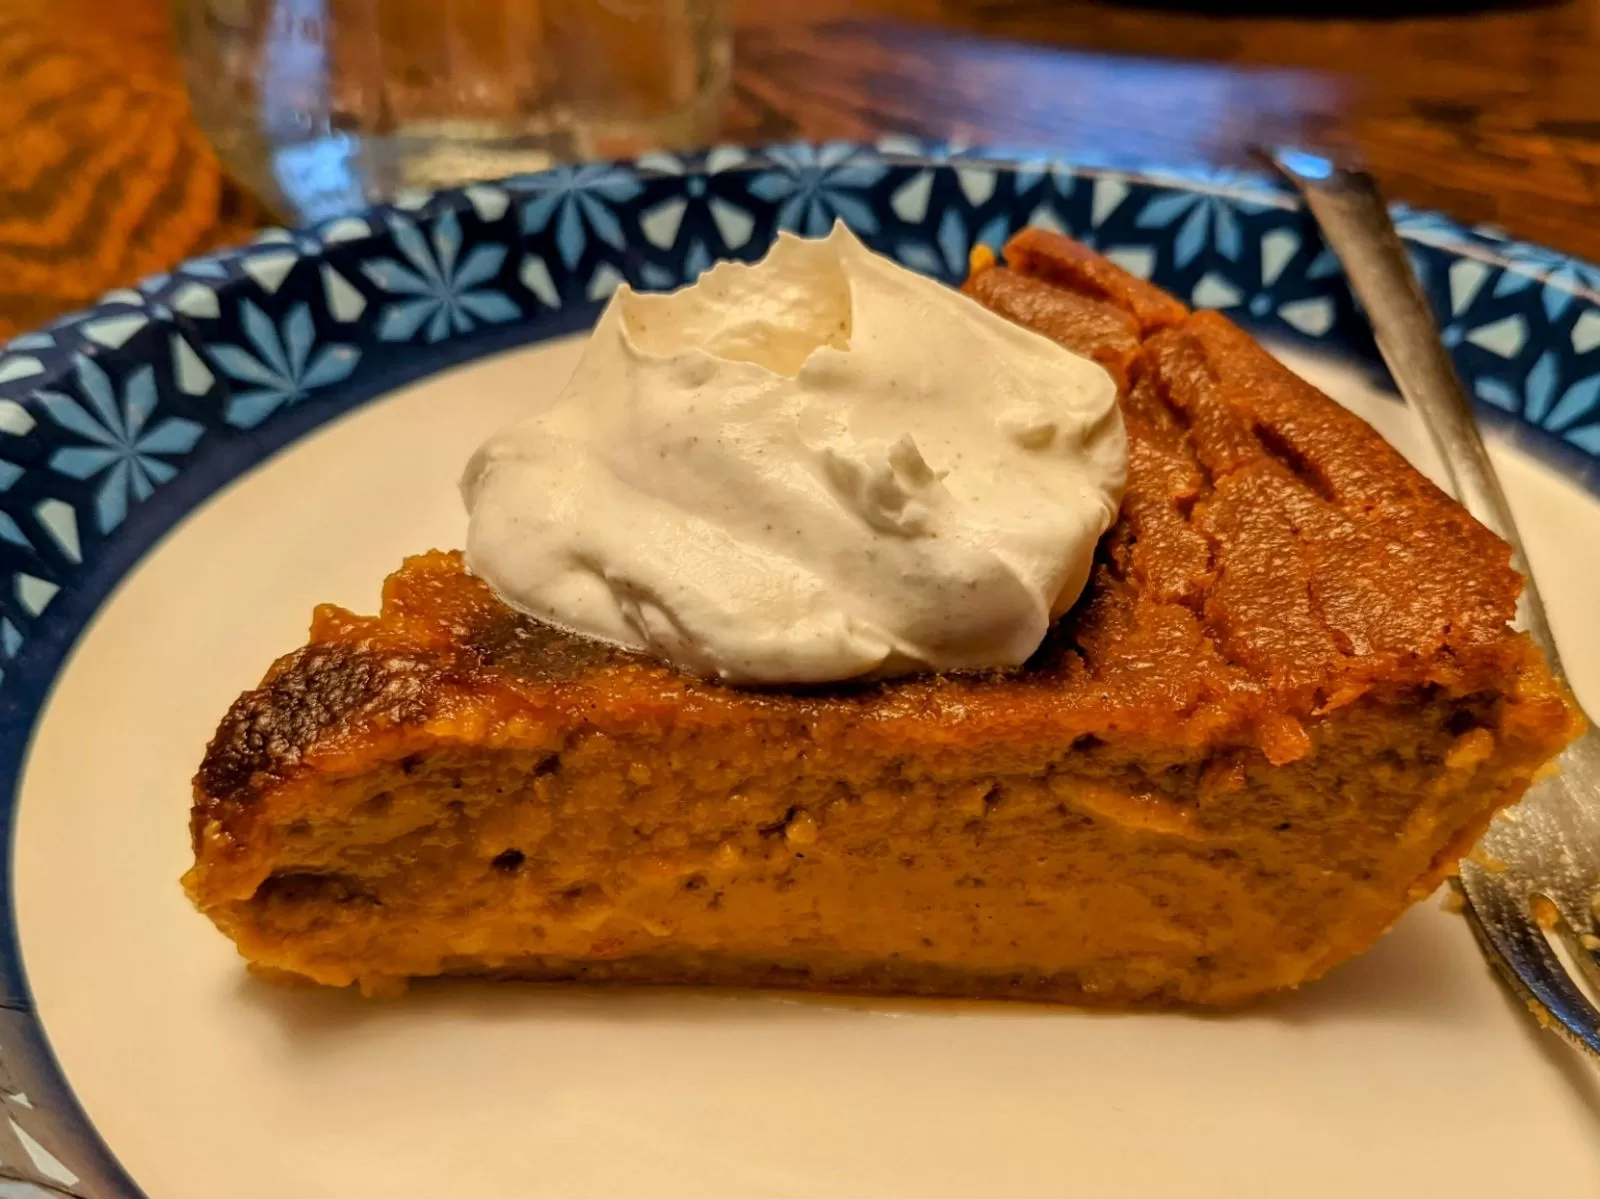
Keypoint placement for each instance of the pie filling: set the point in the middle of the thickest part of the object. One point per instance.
(1286, 704)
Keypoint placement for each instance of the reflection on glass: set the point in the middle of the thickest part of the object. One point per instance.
(322, 105)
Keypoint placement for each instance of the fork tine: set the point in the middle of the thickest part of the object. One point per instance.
(1588, 962)
(1525, 959)
(1584, 952)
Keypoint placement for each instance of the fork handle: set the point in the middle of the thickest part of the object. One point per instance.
(1355, 222)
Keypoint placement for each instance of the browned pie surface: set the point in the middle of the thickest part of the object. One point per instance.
(1293, 653)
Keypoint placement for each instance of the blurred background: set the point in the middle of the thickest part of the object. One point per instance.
(1488, 112)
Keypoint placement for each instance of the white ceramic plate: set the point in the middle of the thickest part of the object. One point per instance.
(1407, 1072)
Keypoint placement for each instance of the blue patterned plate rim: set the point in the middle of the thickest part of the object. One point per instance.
(117, 421)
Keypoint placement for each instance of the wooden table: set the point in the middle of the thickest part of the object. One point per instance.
(1493, 116)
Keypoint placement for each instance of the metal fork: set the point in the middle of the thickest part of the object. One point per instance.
(1541, 889)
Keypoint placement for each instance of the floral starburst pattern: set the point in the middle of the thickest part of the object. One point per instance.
(442, 292)
(814, 185)
(1562, 406)
(282, 365)
(1565, 279)
(1199, 220)
(120, 442)
(571, 199)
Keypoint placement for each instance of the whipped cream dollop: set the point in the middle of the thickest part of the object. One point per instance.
(819, 467)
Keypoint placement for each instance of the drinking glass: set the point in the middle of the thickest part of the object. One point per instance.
(321, 106)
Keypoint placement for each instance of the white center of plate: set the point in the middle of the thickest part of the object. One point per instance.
(1405, 1073)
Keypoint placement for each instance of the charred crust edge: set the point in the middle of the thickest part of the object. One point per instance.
(268, 732)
